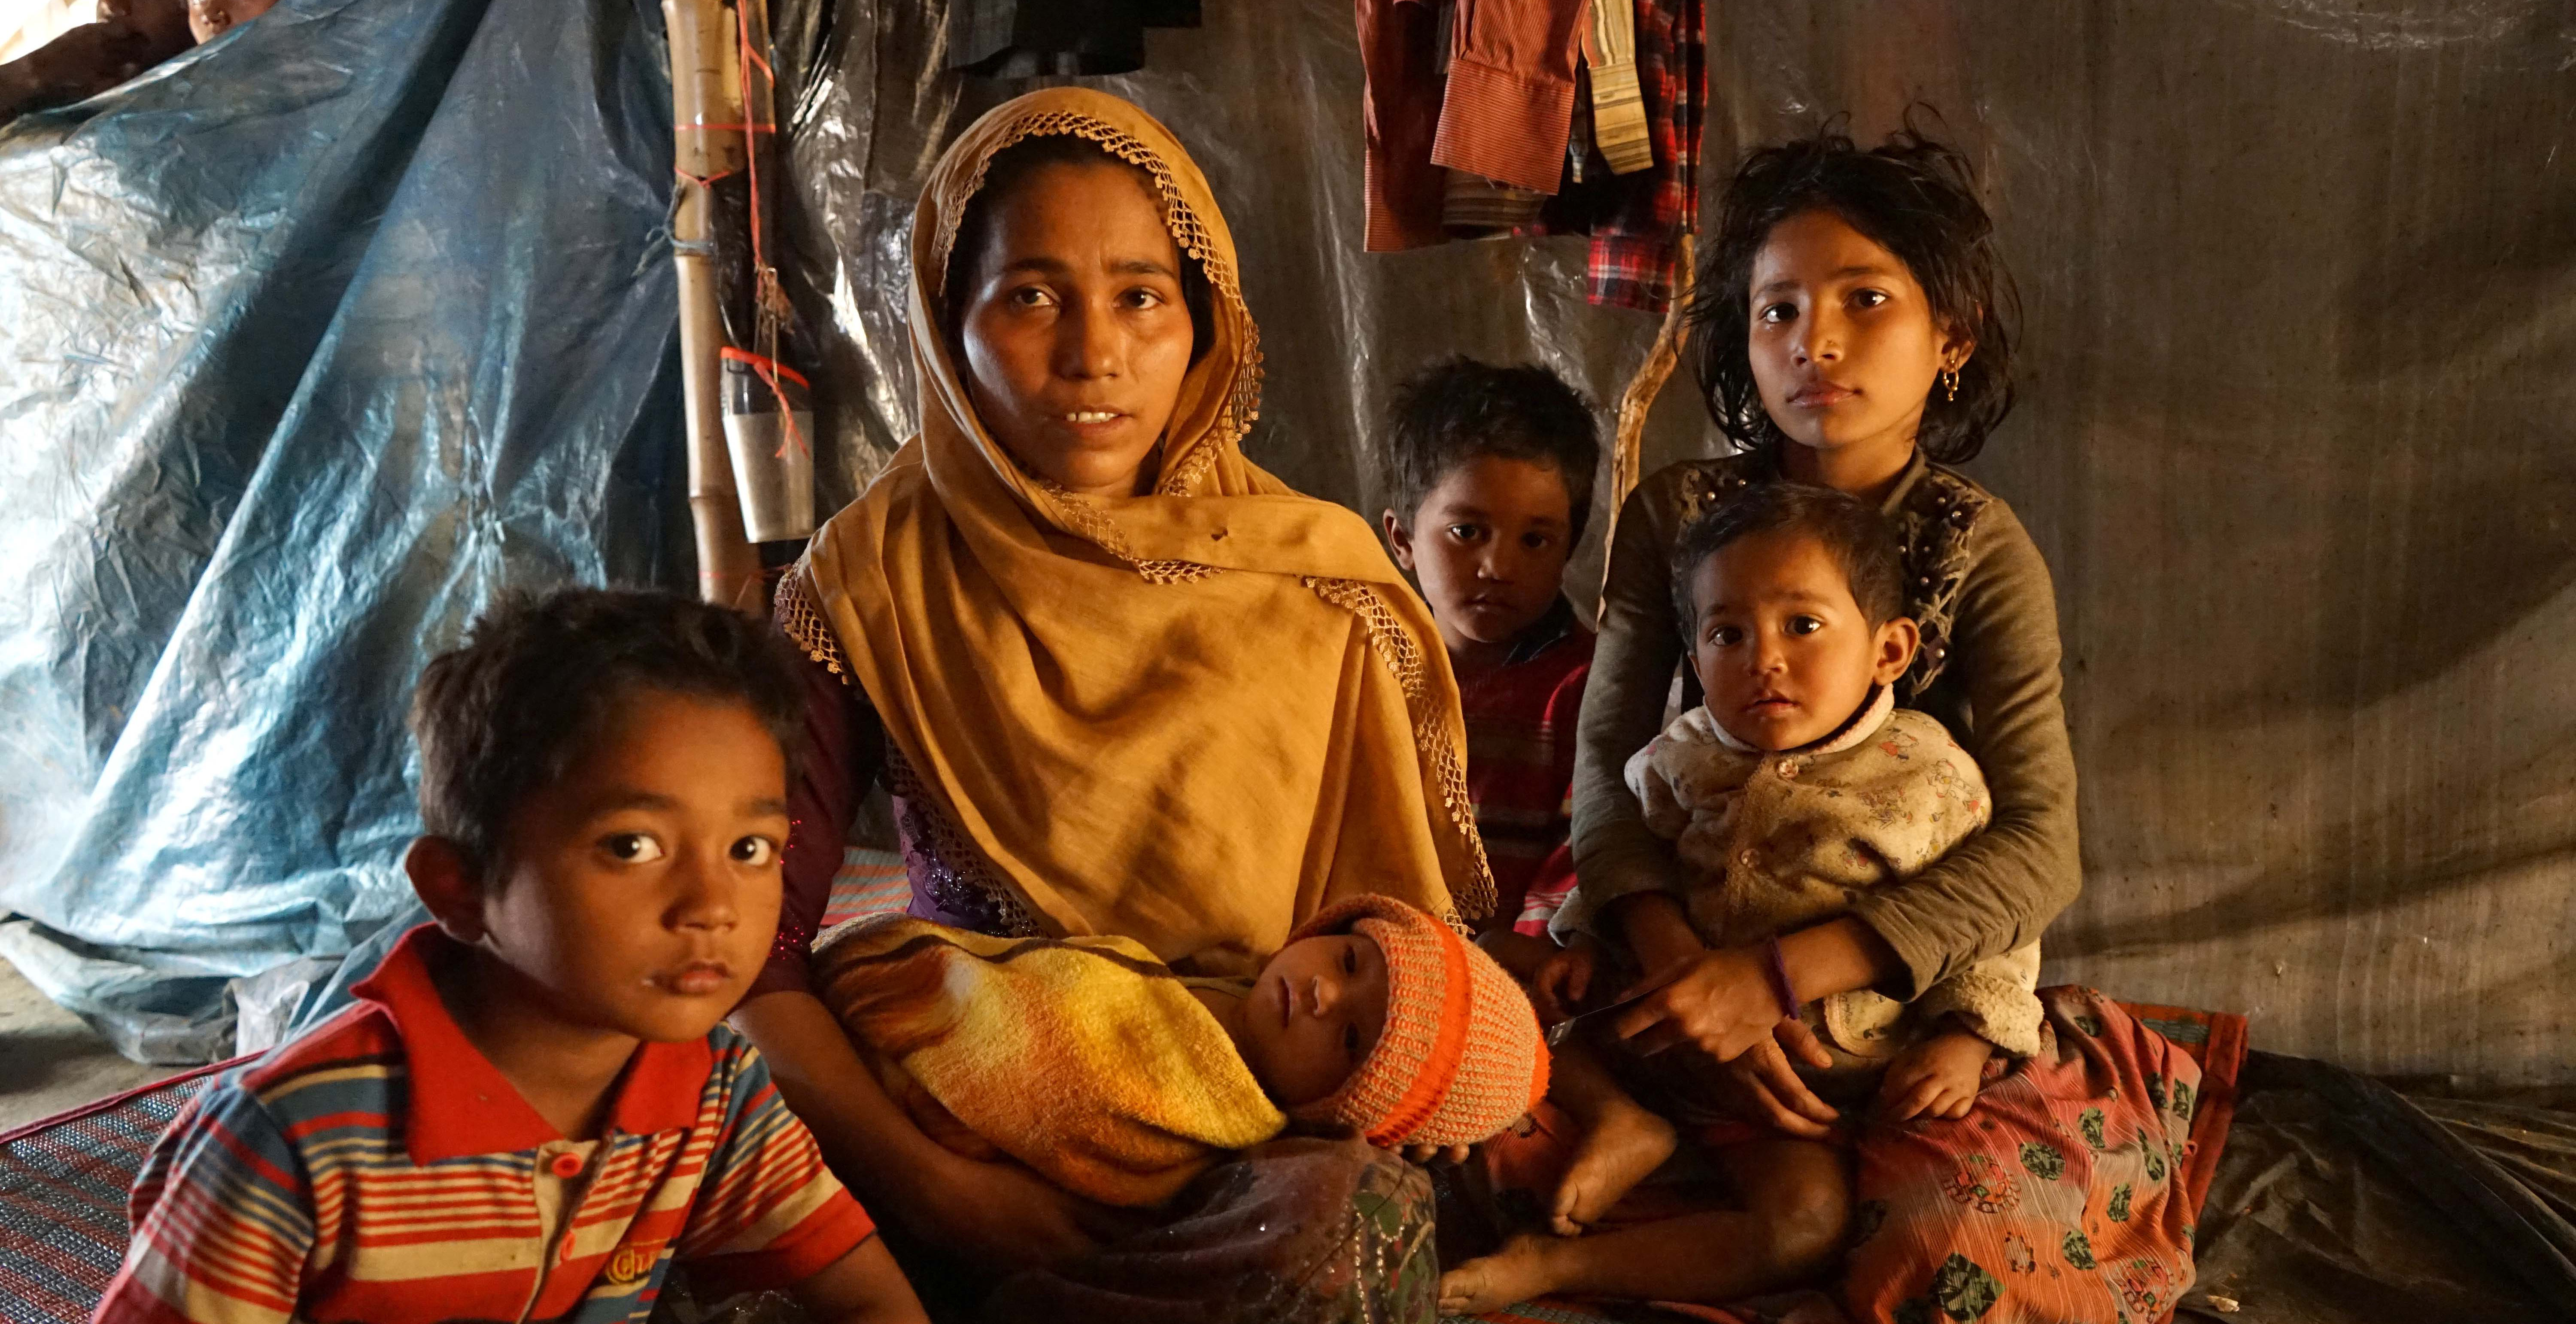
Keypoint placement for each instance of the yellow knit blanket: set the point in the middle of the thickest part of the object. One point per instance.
(1084, 1058)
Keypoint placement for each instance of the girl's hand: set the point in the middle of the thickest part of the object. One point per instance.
(1720, 1001)
(1938, 1077)
(1763, 1086)
(1565, 979)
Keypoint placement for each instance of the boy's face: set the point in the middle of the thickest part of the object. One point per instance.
(640, 892)
(1314, 1015)
(1489, 545)
(1783, 650)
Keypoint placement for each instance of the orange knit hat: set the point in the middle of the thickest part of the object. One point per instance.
(1460, 1057)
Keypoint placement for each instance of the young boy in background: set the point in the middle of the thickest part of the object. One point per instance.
(534, 1110)
(1488, 472)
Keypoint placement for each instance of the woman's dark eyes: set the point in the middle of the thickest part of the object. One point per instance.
(1144, 299)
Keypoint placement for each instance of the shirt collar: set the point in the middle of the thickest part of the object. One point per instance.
(1545, 633)
(461, 1104)
(1854, 732)
(1916, 465)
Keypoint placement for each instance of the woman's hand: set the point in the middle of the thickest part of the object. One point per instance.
(1720, 1001)
(1764, 1086)
(1004, 1215)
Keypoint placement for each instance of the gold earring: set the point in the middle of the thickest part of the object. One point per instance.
(1950, 384)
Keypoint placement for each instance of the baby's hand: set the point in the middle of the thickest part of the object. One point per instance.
(1565, 977)
(1938, 1077)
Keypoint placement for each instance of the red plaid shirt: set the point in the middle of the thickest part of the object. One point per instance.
(1520, 764)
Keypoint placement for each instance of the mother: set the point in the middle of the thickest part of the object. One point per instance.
(1119, 679)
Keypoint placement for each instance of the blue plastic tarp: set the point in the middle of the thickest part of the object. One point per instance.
(311, 342)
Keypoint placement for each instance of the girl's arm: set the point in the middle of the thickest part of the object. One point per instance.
(1615, 855)
(2001, 887)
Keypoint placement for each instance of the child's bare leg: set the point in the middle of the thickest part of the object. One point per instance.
(1622, 1142)
(1799, 1199)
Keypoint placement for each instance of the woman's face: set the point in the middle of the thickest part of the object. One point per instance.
(1842, 338)
(1075, 335)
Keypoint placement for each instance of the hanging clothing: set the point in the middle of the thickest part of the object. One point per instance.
(1509, 101)
(1465, 153)
(1483, 88)
(1618, 105)
(1191, 718)
(1060, 38)
(1636, 220)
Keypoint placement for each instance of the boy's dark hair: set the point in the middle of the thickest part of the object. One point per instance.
(1459, 409)
(1852, 533)
(1003, 175)
(1913, 197)
(517, 704)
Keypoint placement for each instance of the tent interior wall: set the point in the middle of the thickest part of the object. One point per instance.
(2291, 432)
(292, 389)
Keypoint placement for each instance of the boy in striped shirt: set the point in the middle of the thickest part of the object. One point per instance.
(533, 1110)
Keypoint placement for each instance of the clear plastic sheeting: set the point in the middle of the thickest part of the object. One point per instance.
(316, 336)
(2293, 429)
(311, 341)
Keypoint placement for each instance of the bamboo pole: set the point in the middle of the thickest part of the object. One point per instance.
(1628, 439)
(706, 114)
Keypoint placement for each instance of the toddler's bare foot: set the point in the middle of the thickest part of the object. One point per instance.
(1516, 1273)
(1623, 1144)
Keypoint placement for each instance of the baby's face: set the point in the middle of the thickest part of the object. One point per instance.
(1784, 652)
(1314, 1015)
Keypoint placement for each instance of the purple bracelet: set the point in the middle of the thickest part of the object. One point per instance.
(1781, 988)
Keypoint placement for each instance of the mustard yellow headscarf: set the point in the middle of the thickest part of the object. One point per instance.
(1191, 718)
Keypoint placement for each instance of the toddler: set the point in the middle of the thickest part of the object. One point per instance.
(1797, 786)
(1088, 1061)
(533, 1110)
(1488, 472)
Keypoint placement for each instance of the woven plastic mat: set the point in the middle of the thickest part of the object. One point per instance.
(63, 1182)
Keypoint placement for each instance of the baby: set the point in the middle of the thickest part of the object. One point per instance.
(1091, 1063)
(1796, 786)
